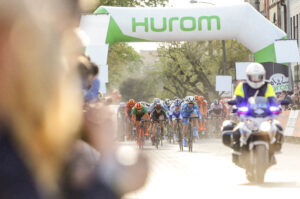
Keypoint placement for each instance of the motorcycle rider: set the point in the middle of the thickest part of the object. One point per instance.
(256, 85)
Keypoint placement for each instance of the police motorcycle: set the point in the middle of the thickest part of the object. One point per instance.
(259, 136)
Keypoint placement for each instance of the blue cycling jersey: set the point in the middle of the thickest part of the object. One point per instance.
(174, 113)
(186, 111)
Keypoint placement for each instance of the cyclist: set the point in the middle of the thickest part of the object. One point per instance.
(225, 109)
(175, 113)
(152, 106)
(151, 109)
(139, 112)
(166, 106)
(216, 108)
(157, 115)
(203, 110)
(129, 106)
(147, 106)
(216, 114)
(190, 109)
(121, 118)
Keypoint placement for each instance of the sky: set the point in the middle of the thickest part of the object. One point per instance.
(180, 4)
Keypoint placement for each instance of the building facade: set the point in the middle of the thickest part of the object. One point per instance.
(277, 12)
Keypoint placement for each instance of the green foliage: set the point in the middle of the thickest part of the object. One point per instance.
(139, 89)
(131, 3)
(189, 68)
(123, 62)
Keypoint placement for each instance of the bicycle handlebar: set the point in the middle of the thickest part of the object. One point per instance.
(191, 117)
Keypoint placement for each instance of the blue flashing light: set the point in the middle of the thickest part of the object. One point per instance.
(243, 109)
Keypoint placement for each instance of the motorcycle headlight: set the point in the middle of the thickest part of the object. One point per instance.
(265, 127)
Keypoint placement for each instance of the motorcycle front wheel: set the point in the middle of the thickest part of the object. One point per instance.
(259, 158)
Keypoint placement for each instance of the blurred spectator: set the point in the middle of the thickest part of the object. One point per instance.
(115, 95)
(85, 71)
(284, 96)
(41, 111)
(39, 98)
(296, 98)
(94, 84)
(101, 97)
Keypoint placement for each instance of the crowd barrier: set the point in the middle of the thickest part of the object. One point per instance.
(290, 120)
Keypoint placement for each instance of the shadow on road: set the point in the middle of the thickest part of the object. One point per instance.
(275, 185)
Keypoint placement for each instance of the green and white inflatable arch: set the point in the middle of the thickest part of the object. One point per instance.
(240, 22)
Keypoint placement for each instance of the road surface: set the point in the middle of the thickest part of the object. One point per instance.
(209, 173)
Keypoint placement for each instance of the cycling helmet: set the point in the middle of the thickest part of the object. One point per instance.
(156, 100)
(131, 101)
(256, 75)
(138, 106)
(216, 102)
(122, 105)
(177, 102)
(167, 102)
(196, 97)
(190, 99)
(158, 106)
(200, 98)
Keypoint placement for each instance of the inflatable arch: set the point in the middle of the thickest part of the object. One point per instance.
(240, 22)
(237, 22)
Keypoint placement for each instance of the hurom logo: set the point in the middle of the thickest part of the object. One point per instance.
(167, 24)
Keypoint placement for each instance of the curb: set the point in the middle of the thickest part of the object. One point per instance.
(291, 139)
(287, 139)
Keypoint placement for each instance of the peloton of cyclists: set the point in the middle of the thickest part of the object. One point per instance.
(172, 112)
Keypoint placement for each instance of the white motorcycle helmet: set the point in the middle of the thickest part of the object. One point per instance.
(256, 75)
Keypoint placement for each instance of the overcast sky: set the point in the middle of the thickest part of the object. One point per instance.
(179, 4)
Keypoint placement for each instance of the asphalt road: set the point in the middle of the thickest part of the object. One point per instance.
(209, 173)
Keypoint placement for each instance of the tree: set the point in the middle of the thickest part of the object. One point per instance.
(133, 3)
(123, 62)
(139, 89)
(189, 68)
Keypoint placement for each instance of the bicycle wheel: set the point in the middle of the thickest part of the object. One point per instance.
(157, 136)
(139, 135)
(190, 141)
(179, 137)
(142, 137)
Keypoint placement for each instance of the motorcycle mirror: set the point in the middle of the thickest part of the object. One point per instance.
(284, 102)
(232, 102)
